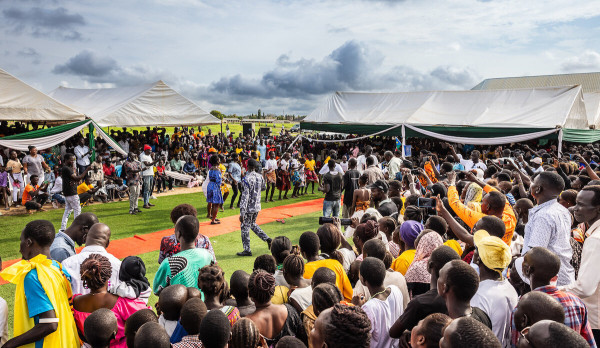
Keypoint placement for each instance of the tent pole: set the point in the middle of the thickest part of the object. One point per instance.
(403, 141)
(560, 141)
(92, 141)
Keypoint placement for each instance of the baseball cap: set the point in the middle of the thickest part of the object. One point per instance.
(493, 252)
(537, 160)
(380, 184)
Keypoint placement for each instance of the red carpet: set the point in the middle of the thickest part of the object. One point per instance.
(144, 243)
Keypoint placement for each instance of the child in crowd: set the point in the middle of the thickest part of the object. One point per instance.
(170, 302)
(100, 328)
(135, 322)
(151, 335)
(192, 313)
(387, 225)
(239, 290)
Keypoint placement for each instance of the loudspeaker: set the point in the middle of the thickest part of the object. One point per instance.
(248, 129)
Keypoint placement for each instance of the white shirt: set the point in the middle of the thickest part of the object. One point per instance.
(124, 145)
(149, 169)
(283, 164)
(497, 299)
(169, 325)
(361, 162)
(391, 278)
(325, 169)
(3, 321)
(383, 315)
(587, 286)
(271, 165)
(57, 188)
(468, 164)
(73, 264)
(344, 166)
(302, 296)
(82, 160)
(394, 167)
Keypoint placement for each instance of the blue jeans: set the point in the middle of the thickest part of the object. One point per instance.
(59, 198)
(148, 181)
(331, 208)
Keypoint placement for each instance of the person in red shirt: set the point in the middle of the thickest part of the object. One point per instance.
(109, 169)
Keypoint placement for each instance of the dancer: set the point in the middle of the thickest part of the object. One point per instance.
(283, 176)
(70, 183)
(224, 185)
(252, 183)
(14, 167)
(311, 175)
(271, 176)
(213, 194)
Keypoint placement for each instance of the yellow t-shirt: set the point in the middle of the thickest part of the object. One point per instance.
(341, 279)
(310, 165)
(238, 150)
(281, 295)
(454, 245)
(83, 188)
(402, 262)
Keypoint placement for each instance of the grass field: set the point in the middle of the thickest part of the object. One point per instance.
(216, 128)
(124, 225)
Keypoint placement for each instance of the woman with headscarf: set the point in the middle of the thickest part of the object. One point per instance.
(474, 194)
(417, 277)
(132, 279)
(405, 236)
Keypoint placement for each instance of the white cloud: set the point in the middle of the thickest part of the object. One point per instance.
(588, 60)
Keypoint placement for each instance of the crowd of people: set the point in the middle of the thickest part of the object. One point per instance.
(454, 246)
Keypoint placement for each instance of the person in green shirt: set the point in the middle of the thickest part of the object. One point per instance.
(183, 267)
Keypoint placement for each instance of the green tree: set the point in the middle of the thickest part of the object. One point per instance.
(217, 114)
(259, 113)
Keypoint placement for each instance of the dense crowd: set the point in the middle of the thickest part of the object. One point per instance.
(450, 247)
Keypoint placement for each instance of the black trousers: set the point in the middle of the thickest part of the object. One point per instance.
(236, 189)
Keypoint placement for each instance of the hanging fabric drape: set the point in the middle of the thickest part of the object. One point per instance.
(46, 138)
(486, 141)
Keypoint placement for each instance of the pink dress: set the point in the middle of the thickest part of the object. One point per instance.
(122, 309)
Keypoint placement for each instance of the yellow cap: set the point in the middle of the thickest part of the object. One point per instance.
(493, 252)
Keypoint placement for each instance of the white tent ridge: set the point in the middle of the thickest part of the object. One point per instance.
(543, 108)
(153, 104)
(21, 102)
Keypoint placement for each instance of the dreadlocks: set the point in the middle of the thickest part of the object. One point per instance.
(95, 271)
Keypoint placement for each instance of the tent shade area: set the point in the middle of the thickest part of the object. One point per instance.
(474, 117)
(154, 104)
(21, 102)
(589, 82)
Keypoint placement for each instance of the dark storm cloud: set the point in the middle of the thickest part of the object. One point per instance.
(350, 67)
(87, 64)
(94, 68)
(43, 22)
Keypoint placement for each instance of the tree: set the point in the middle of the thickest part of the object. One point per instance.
(259, 113)
(217, 114)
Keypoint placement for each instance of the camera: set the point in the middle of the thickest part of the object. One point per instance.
(328, 220)
(425, 202)
(506, 161)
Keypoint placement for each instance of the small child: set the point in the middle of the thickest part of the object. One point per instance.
(135, 321)
(151, 335)
(4, 186)
(239, 290)
(192, 313)
(170, 302)
(100, 328)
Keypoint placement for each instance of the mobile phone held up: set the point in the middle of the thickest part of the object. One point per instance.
(426, 202)
(328, 220)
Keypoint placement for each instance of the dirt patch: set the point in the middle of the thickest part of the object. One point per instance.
(20, 210)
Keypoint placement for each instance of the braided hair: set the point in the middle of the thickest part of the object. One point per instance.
(348, 327)
(95, 271)
(325, 296)
(211, 280)
(245, 334)
(261, 286)
(366, 231)
(293, 266)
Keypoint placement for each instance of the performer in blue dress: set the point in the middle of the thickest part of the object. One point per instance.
(213, 190)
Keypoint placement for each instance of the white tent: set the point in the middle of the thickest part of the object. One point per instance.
(154, 104)
(21, 102)
(473, 117)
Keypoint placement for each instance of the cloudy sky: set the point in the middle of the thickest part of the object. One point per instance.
(237, 56)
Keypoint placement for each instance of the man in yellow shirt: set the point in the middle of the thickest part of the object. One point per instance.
(86, 190)
(494, 203)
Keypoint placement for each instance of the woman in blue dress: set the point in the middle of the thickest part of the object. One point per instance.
(213, 189)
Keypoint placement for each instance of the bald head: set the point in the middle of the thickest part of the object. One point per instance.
(536, 306)
(99, 234)
(85, 219)
(543, 264)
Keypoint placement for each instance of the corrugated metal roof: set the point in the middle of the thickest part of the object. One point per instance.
(590, 82)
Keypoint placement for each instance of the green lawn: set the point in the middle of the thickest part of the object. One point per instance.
(225, 248)
(216, 128)
(116, 216)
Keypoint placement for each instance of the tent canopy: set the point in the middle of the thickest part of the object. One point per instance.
(589, 82)
(154, 104)
(21, 102)
(534, 108)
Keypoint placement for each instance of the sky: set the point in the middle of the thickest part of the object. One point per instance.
(284, 56)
